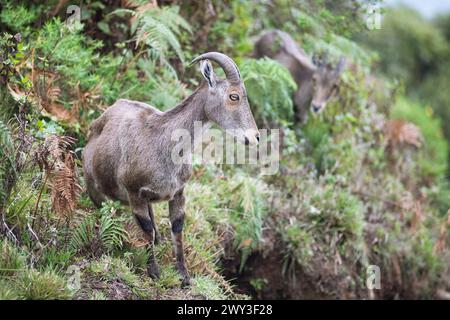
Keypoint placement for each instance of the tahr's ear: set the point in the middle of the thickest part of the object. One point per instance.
(340, 66)
(315, 59)
(208, 73)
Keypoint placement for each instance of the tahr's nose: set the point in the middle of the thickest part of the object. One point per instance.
(315, 108)
(251, 137)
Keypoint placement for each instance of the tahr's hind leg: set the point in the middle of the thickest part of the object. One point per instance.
(96, 196)
(141, 210)
(176, 214)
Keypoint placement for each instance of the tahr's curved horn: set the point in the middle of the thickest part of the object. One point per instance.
(225, 62)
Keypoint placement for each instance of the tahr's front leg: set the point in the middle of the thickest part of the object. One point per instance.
(176, 214)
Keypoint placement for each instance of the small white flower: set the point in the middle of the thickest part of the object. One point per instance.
(313, 210)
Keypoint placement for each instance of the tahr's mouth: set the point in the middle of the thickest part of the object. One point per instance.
(249, 137)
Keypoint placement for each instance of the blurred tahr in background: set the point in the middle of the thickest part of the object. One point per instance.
(362, 185)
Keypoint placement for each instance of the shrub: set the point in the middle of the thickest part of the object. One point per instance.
(7, 158)
(46, 285)
(208, 288)
(318, 144)
(6, 292)
(298, 245)
(433, 156)
(68, 53)
(99, 232)
(19, 17)
(12, 259)
(249, 208)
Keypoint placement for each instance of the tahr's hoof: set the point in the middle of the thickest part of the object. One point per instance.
(157, 238)
(186, 282)
(153, 271)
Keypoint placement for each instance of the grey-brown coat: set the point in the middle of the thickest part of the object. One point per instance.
(129, 153)
(316, 80)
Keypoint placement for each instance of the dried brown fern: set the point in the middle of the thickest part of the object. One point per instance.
(130, 4)
(56, 160)
(401, 140)
(400, 133)
(46, 92)
(443, 234)
(136, 236)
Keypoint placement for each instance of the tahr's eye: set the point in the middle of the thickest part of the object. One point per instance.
(234, 97)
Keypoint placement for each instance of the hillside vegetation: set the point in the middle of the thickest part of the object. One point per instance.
(363, 183)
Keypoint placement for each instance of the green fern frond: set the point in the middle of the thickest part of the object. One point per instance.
(101, 232)
(158, 29)
(270, 88)
(112, 233)
(83, 234)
